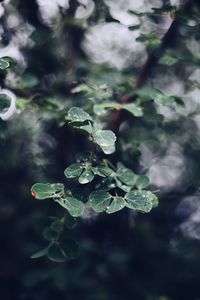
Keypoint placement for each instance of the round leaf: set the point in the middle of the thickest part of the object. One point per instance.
(74, 206)
(3, 64)
(86, 177)
(100, 200)
(142, 182)
(125, 175)
(70, 248)
(117, 204)
(106, 140)
(139, 200)
(76, 114)
(74, 170)
(55, 253)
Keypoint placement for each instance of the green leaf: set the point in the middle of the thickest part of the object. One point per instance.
(100, 200)
(86, 177)
(70, 222)
(154, 200)
(86, 127)
(47, 190)
(106, 140)
(74, 206)
(57, 226)
(156, 95)
(55, 253)
(168, 60)
(76, 114)
(49, 234)
(133, 109)
(40, 253)
(123, 187)
(70, 248)
(74, 170)
(125, 175)
(4, 64)
(162, 98)
(139, 200)
(117, 204)
(100, 109)
(103, 171)
(142, 182)
(84, 157)
(4, 103)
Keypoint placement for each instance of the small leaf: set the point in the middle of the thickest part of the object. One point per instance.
(106, 140)
(103, 171)
(168, 60)
(117, 204)
(139, 200)
(123, 187)
(74, 206)
(76, 114)
(100, 200)
(47, 190)
(70, 222)
(125, 175)
(40, 253)
(133, 109)
(57, 226)
(86, 127)
(142, 182)
(49, 234)
(84, 156)
(100, 109)
(73, 170)
(4, 64)
(55, 253)
(154, 200)
(86, 177)
(70, 248)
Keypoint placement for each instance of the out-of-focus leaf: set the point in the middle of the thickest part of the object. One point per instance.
(71, 248)
(76, 114)
(142, 182)
(55, 253)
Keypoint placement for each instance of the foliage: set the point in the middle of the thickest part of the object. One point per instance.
(106, 121)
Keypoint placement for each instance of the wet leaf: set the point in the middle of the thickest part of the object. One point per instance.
(74, 170)
(86, 177)
(74, 206)
(100, 200)
(125, 175)
(47, 190)
(140, 200)
(106, 140)
(76, 114)
(117, 204)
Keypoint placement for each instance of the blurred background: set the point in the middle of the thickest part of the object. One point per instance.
(55, 46)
